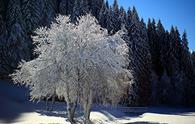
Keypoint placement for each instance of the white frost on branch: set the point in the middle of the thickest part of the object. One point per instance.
(78, 61)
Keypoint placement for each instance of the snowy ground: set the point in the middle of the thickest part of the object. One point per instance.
(15, 109)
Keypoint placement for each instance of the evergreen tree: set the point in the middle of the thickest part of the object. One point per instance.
(158, 38)
(165, 53)
(63, 5)
(115, 17)
(113, 20)
(80, 8)
(161, 37)
(165, 82)
(116, 7)
(155, 33)
(2, 8)
(193, 59)
(185, 41)
(103, 15)
(95, 6)
(140, 59)
(122, 17)
(192, 84)
(31, 14)
(177, 76)
(109, 23)
(4, 70)
(186, 63)
(18, 45)
(49, 12)
(187, 69)
(128, 19)
(175, 44)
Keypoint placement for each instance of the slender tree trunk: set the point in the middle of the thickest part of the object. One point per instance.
(71, 108)
(47, 106)
(87, 108)
(53, 102)
(87, 114)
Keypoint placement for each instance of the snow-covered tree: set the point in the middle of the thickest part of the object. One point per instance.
(79, 62)
(140, 59)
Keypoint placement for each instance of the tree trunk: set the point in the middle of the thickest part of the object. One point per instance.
(87, 108)
(87, 115)
(53, 102)
(71, 108)
(47, 106)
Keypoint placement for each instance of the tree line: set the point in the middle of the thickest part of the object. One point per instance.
(161, 64)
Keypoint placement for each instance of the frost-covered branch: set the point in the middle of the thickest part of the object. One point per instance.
(78, 61)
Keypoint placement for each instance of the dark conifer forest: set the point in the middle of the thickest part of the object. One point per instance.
(162, 65)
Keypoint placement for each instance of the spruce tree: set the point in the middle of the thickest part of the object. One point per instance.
(186, 63)
(2, 8)
(140, 59)
(49, 12)
(175, 44)
(4, 70)
(192, 86)
(115, 6)
(109, 24)
(177, 76)
(193, 59)
(128, 18)
(155, 35)
(160, 35)
(80, 8)
(187, 69)
(165, 53)
(103, 15)
(95, 6)
(63, 7)
(122, 17)
(31, 14)
(113, 21)
(18, 45)
(70, 5)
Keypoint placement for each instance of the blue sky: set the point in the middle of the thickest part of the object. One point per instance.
(180, 13)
